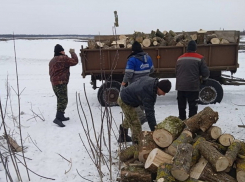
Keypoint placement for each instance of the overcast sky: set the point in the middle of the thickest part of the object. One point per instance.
(97, 17)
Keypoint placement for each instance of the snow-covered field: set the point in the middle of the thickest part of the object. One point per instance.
(37, 95)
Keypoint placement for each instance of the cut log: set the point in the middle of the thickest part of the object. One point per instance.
(216, 159)
(187, 36)
(159, 33)
(241, 153)
(155, 43)
(224, 41)
(167, 131)
(179, 37)
(240, 170)
(163, 42)
(185, 137)
(147, 42)
(139, 36)
(202, 120)
(222, 149)
(92, 44)
(128, 153)
(198, 168)
(209, 37)
(13, 143)
(129, 45)
(146, 145)
(194, 36)
(213, 133)
(155, 158)
(195, 153)
(182, 162)
(203, 171)
(134, 173)
(121, 43)
(152, 34)
(100, 44)
(232, 151)
(164, 173)
(200, 38)
(122, 37)
(215, 41)
(226, 139)
(172, 33)
(179, 44)
(158, 39)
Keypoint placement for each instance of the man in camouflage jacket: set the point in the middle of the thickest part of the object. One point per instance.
(59, 71)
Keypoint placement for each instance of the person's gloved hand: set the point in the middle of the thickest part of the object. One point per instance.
(122, 87)
(72, 50)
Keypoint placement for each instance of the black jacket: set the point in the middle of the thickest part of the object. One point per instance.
(142, 92)
(189, 67)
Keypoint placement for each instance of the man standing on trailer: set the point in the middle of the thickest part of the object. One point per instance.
(190, 67)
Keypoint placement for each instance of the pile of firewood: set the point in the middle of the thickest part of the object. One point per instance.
(191, 150)
(165, 38)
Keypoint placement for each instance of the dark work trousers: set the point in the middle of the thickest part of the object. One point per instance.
(62, 98)
(192, 98)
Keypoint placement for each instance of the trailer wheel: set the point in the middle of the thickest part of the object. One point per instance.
(108, 93)
(211, 92)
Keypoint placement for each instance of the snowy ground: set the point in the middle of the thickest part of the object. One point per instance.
(33, 57)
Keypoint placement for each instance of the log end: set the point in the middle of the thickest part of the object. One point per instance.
(180, 175)
(162, 138)
(240, 176)
(216, 132)
(222, 164)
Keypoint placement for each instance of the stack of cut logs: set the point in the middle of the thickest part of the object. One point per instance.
(192, 150)
(158, 38)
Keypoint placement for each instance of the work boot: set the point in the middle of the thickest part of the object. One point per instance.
(123, 135)
(58, 122)
(60, 116)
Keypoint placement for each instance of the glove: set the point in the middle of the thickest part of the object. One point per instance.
(122, 87)
(72, 50)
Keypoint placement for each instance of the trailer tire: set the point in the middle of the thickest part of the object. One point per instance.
(211, 92)
(108, 93)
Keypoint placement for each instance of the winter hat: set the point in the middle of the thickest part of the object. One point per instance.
(136, 47)
(192, 46)
(58, 48)
(164, 85)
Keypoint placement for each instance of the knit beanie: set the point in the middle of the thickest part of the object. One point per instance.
(136, 47)
(192, 47)
(164, 85)
(58, 48)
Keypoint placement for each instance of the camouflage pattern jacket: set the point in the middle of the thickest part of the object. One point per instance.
(59, 68)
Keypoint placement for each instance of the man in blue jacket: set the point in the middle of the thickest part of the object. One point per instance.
(139, 64)
(141, 92)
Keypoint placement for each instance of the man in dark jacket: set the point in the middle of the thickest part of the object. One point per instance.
(59, 71)
(139, 64)
(190, 68)
(142, 92)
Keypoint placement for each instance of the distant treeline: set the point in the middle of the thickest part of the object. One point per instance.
(41, 36)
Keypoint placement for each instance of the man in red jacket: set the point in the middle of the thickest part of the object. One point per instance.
(189, 68)
(59, 71)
